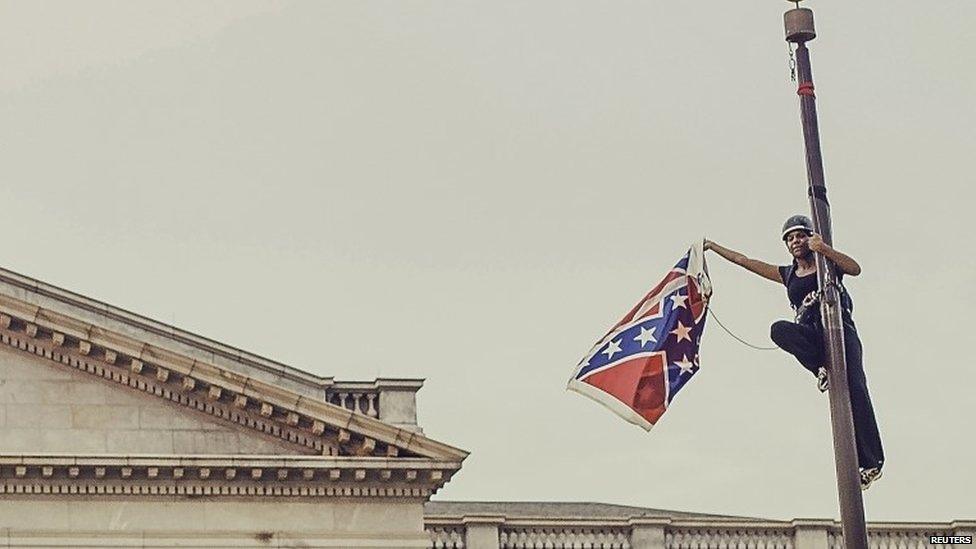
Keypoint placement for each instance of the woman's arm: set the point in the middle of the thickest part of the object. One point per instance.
(761, 268)
(844, 262)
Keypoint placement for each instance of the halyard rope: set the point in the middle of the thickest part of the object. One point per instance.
(744, 342)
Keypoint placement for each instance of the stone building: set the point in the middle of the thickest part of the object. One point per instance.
(120, 431)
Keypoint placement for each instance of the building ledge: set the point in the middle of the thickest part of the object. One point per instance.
(214, 475)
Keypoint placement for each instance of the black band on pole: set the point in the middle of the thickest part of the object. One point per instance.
(818, 192)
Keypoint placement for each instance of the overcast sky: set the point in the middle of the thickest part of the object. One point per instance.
(474, 192)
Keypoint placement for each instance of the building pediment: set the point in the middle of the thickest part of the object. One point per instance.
(136, 354)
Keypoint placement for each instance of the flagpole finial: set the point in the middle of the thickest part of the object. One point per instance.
(799, 24)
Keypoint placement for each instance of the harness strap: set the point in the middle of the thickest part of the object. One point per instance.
(846, 304)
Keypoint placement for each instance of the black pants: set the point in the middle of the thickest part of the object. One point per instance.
(806, 343)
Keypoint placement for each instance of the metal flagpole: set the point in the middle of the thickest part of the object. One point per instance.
(800, 30)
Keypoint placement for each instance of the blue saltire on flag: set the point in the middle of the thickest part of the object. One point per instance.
(645, 359)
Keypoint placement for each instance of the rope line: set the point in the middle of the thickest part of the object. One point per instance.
(744, 342)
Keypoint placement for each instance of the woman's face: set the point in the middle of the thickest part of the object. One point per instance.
(796, 243)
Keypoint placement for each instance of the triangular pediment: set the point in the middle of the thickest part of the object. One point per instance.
(135, 365)
(46, 408)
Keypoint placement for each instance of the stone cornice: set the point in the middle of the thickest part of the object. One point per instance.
(591, 521)
(308, 423)
(543, 522)
(276, 476)
(676, 523)
(380, 383)
(35, 291)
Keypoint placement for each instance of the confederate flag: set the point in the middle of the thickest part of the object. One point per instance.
(642, 363)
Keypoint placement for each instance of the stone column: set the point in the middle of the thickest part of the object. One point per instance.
(648, 533)
(811, 533)
(481, 531)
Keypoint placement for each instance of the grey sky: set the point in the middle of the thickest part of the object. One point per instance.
(473, 192)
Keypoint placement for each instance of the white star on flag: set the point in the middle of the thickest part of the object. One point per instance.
(678, 300)
(685, 365)
(646, 335)
(682, 332)
(612, 348)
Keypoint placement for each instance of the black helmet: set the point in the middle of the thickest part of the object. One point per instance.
(797, 222)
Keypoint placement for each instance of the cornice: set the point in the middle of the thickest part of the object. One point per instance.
(35, 292)
(680, 523)
(601, 522)
(273, 476)
(380, 384)
(308, 423)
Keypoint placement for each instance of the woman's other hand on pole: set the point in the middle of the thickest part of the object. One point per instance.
(817, 244)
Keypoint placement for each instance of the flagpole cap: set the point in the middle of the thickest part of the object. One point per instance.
(799, 25)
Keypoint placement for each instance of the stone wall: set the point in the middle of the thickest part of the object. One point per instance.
(212, 524)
